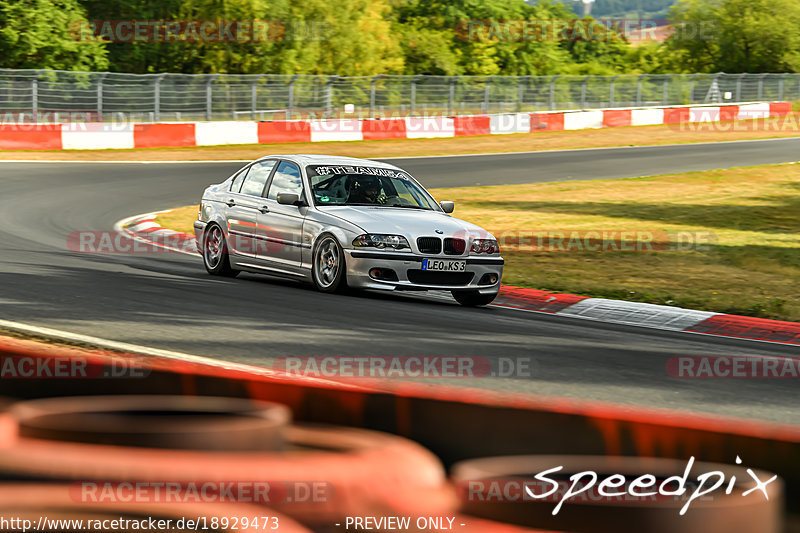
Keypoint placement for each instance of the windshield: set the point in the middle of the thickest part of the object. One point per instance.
(346, 185)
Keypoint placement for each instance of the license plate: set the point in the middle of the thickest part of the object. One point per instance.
(440, 265)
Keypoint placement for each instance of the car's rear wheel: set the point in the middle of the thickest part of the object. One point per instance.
(473, 298)
(328, 269)
(215, 253)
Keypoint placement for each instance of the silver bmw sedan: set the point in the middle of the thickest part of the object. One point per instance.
(341, 222)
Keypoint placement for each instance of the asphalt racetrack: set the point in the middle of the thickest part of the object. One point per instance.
(168, 301)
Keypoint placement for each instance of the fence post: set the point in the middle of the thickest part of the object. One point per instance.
(584, 83)
(485, 107)
(100, 96)
(452, 96)
(761, 86)
(780, 86)
(413, 96)
(209, 80)
(253, 99)
(553, 91)
(639, 84)
(667, 79)
(611, 95)
(290, 106)
(715, 83)
(798, 85)
(739, 87)
(691, 88)
(521, 92)
(329, 95)
(35, 97)
(157, 97)
(372, 95)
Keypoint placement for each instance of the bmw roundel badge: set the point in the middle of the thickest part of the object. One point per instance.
(439, 231)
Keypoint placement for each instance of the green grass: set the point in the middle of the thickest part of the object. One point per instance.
(750, 215)
(748, 219)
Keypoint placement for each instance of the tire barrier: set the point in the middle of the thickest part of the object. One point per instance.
(448, 421)
(179, 422)
(324, 473)
(55, 507)
(494, 488)
(8, 427)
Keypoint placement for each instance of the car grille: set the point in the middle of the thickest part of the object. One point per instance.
(455, 246)
(426, 277)
(429, 245)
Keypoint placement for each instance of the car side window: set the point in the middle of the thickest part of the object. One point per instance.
(236, 183)
(257, 178)
(286, 179)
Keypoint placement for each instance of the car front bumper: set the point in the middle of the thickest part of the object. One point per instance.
(404, 265)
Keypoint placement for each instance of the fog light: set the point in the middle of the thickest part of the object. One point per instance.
(488, 279)
(383, 274)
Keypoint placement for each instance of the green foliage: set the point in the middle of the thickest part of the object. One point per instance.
(347, 37)
(435, 37)
(38, 34)
(735, 36)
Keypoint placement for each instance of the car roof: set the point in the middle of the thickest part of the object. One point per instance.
(321, 159)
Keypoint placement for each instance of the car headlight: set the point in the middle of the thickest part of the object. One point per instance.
(484, 246)
(376, 240)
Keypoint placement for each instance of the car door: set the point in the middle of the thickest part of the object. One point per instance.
(244, 207)
(282, 225)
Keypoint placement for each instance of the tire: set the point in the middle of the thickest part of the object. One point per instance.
(169, 422)
(473, 298)
(215, 253)
(328, 267)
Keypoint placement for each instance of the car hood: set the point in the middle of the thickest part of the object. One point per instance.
(403, 221)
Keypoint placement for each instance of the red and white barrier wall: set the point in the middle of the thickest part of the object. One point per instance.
(91, 136)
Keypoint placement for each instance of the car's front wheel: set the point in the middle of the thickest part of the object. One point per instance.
(473, 298)
(215, 253)
(328, 269)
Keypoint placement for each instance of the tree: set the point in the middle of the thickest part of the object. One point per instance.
(479, 37)
(39, 34)
(346, 37)
(193, 55)
(735, 36)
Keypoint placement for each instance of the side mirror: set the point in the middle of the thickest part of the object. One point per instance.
(289, 198)
(447, 207)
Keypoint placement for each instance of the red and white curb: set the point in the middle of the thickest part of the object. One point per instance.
(663, 317)
(144, 229)
(101, 136)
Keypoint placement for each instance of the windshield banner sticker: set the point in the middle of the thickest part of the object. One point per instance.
(326, 170)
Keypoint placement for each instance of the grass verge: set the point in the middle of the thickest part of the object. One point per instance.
(723, 240)
(521, 142)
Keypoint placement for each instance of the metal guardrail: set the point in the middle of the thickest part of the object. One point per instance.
(37, 95)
